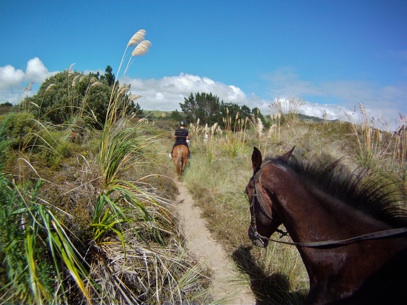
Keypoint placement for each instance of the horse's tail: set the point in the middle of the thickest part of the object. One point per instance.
(180, 156)
(180, 160)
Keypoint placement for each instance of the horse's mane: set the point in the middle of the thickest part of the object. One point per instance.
(375, 195)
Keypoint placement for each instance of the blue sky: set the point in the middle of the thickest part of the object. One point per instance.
(330, 54)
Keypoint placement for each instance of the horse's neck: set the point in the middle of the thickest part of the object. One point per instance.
(309, 215)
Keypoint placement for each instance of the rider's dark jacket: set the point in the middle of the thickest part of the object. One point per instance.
(181, 136)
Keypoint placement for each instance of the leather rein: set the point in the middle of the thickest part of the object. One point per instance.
(316, 244)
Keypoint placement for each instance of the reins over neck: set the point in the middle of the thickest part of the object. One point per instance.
(316, 244)
(342, 242)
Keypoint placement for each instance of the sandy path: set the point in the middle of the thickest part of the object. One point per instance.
(210, 252)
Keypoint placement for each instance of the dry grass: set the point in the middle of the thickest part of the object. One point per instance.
(138, 255)
(377, 148)
(217, 179)
(217, 184)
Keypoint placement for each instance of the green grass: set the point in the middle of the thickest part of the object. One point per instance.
(89, 220)
(34, 244)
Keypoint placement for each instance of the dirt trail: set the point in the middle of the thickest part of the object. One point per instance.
(210, 252)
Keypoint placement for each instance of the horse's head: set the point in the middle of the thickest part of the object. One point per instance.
(264, 218)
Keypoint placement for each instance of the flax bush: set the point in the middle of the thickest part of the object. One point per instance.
(82, 225)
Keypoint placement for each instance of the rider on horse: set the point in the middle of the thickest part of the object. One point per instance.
(181, 136)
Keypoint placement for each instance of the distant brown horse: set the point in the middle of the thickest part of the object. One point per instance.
(180, 158)
(346, 225)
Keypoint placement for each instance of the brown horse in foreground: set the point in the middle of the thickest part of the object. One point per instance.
(350, 234)
(180, 158)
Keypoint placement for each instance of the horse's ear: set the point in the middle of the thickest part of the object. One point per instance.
(257, 159)
(288, 154)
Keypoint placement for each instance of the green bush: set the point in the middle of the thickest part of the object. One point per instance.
(17, 128)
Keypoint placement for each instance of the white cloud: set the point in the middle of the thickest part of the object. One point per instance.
(36, 71)
(329, 112)
(10, 76)
(331, 99)
(13, 81)
(168, 92)
(335, 97)
(382, 103)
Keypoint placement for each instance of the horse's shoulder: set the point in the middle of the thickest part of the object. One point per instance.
(387, 286)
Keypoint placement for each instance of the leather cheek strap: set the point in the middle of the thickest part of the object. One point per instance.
(263, 198)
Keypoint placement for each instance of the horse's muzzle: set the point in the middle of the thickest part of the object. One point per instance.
(257, 239)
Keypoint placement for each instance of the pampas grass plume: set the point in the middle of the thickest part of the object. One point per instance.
(136, 38)
(49, 87)
(96, 84)
(259, 127)
(35, 104)
(70, 69)
(133, 97)
(75, 79)
(123, 89)
(141, 48)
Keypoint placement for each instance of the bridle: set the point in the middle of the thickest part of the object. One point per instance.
(253, 224)
(317, 244)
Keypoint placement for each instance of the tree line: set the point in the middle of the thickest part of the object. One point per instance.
(69, 94)
(208, 109)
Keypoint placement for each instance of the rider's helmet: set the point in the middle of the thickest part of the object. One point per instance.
(182, 123)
